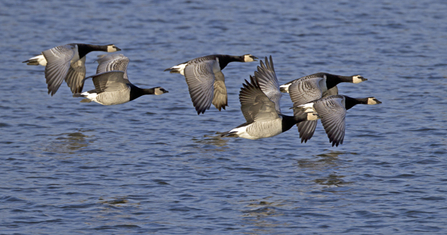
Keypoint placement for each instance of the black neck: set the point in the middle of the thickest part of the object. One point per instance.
(84, 49)
(225, 59)
(332, 80)
(288, 122)
(136, 92)
(351, 102)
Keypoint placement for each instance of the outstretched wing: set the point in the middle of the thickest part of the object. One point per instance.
(306, 89)
(110, 81)
(220, 99)
(333, 114)
(255, 105)
(332, 91)
(268, 82)
(58, 64)
(199, 74)
(307, 129)
(112, 62)
(75, 76)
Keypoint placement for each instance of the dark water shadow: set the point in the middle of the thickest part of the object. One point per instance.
(69, 143)
(325, 168)
(320, 161)
(261, 212)
(212, 143)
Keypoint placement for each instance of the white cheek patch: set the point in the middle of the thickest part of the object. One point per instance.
(111, 49)
(357, 79)
(248, 58)
(312, 116)
(372, 101)
(160, 91)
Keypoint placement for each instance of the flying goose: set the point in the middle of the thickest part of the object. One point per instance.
(332, 111)
(313, 87)
(260, 106)
(112, 85)
(321, 81)
(66, 62)
(206, 82)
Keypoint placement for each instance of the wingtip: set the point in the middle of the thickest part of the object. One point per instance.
(221, 107)
(200, 111)
(51, 92)
(335, 143)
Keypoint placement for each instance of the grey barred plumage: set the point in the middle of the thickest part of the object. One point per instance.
(313, 87)
(67, 62)
(205, 80)
(259, 99)
(113, 87)
(332, 111)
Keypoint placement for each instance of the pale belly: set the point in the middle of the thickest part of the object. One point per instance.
(259, 130)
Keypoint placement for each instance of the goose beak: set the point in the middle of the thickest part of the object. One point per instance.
(254, 58)
(117, 49)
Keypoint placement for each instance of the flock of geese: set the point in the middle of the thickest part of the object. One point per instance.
(314, 96)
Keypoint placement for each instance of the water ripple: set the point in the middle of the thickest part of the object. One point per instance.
(154, 166)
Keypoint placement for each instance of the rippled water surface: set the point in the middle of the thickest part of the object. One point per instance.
(154, 166)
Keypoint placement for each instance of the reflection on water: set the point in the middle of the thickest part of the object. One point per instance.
(210, 142)
(69, 143)
(332, 180)
(111, 214)
(134, 168)
(114, 201)
(325, 162)
(261, 213)
(332, 154)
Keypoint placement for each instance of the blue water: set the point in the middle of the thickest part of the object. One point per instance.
(154, 166)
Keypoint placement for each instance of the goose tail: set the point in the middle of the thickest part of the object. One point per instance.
(177, 69)
(36, 60)
(228, 134)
